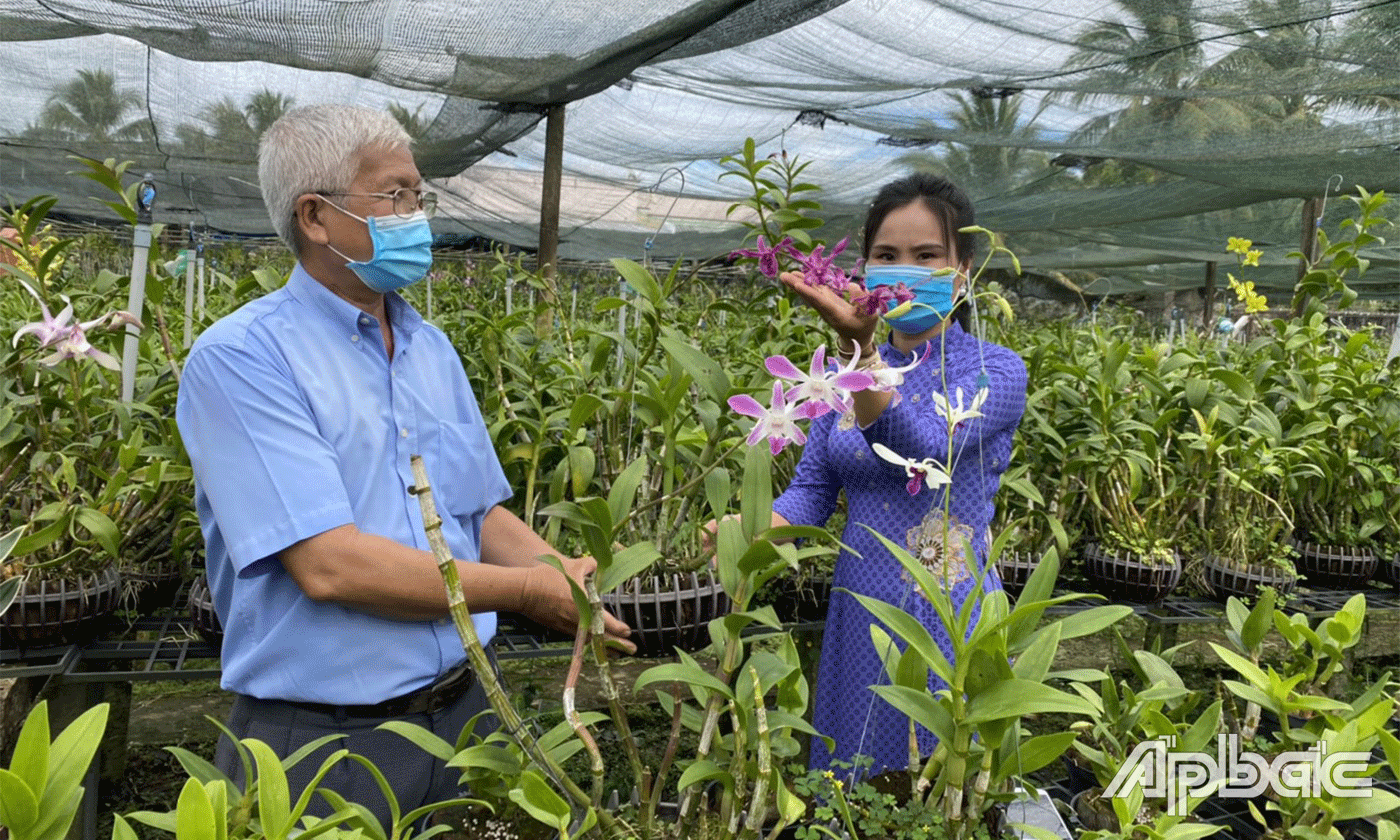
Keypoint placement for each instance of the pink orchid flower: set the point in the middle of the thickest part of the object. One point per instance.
(70, 340)
(777, 423)
(921, 473)
(820, 391)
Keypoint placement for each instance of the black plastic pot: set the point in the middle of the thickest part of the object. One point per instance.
(1334, 566)
(1125, 577)
(1014, 568)
(202, 616)
(667, 612)
(1227, 580)
(51, 612)
(801, 600)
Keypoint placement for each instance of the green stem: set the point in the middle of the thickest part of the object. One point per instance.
(481, 663)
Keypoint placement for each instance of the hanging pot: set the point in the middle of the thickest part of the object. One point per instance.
(1014, 568)
(1244, 582)
(1334, 566)
(202, 616)
(1124, 576)
(668, 611)
(48, 612)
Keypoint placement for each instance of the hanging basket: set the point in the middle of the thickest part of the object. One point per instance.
(1125, 577)
(202, 616)
(149, 589)
(1334, 566)
(670, 611)
(1014, 568)
(1226, 580)
(49, 612)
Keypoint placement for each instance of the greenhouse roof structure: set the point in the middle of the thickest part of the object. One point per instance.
(1128, 138)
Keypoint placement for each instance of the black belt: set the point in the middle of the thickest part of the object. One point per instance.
(429, 699)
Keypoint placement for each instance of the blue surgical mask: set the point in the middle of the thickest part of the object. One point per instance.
(933, 294)
(403, 251)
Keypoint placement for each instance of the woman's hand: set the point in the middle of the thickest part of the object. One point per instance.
(855, 328)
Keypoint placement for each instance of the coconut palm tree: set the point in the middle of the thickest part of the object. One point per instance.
(92, 109)
(412, 121)
(231, 131)
(994, 158)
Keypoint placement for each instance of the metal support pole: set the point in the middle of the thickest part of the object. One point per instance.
(136, 296)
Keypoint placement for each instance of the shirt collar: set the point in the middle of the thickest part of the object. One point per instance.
(307, 289)
(952, 336)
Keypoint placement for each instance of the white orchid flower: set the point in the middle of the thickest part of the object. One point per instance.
(954, 412)
(926, 472)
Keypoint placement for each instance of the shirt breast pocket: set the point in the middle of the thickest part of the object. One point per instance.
(463, 467)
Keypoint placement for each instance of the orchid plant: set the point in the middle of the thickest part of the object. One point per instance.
(73, 460)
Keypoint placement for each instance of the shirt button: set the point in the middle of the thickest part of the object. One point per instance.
(914, 398)
(887, 505)
(354, 338)
(364, 322)
(403, 432)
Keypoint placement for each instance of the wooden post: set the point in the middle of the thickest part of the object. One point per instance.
(1307, 246)
(1208, 298)
(549, 213)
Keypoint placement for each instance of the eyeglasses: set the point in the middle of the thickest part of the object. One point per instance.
(407, 200)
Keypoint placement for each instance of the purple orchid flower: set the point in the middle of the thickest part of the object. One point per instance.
(769, 259)
(820, 391)
(777, 423)
(876, 301)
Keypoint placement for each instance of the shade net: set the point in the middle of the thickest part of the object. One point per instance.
(1118, 141)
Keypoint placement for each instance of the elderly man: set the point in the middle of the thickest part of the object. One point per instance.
(300, 411)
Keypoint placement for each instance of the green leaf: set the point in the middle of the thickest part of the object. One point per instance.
(535, 796)
(487, 757)
(623, 493)
(102, 528)
(707, 373)
(640, 280)
(69, 758)
(274, 797)
(30, 761)
(19, 807)
(625, 564)
(705, 770)
(1018, 698)
(1379, 802)
(684, 673)
(1035, 753)
(194, 818)
(425, 739)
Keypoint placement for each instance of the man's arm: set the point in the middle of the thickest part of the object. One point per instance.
(508, 543)
(377, 575)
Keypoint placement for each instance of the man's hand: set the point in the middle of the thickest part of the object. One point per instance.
(548, 599)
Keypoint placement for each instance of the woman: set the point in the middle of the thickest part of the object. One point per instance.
(911, 230)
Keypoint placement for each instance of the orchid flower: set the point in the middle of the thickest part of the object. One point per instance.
(889, 378)
(875, 301)
(50, 330)
(954, 412)
(70, 340)
(821, 270)
(926, 472)
(777, 423)
(820, 391)
(768, 258)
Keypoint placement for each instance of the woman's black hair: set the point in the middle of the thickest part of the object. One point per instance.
(945, 200)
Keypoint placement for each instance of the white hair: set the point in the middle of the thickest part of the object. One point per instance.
(316, 148)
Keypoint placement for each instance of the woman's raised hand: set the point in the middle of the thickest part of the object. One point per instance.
(849, 322)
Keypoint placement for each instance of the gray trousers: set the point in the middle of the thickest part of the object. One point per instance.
(416, 777)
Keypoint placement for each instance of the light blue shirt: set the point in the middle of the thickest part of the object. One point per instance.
(296, 422)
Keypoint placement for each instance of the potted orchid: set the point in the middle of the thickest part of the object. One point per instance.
(75, 460)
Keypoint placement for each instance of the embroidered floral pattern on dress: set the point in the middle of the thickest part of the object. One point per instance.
(943, 546)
